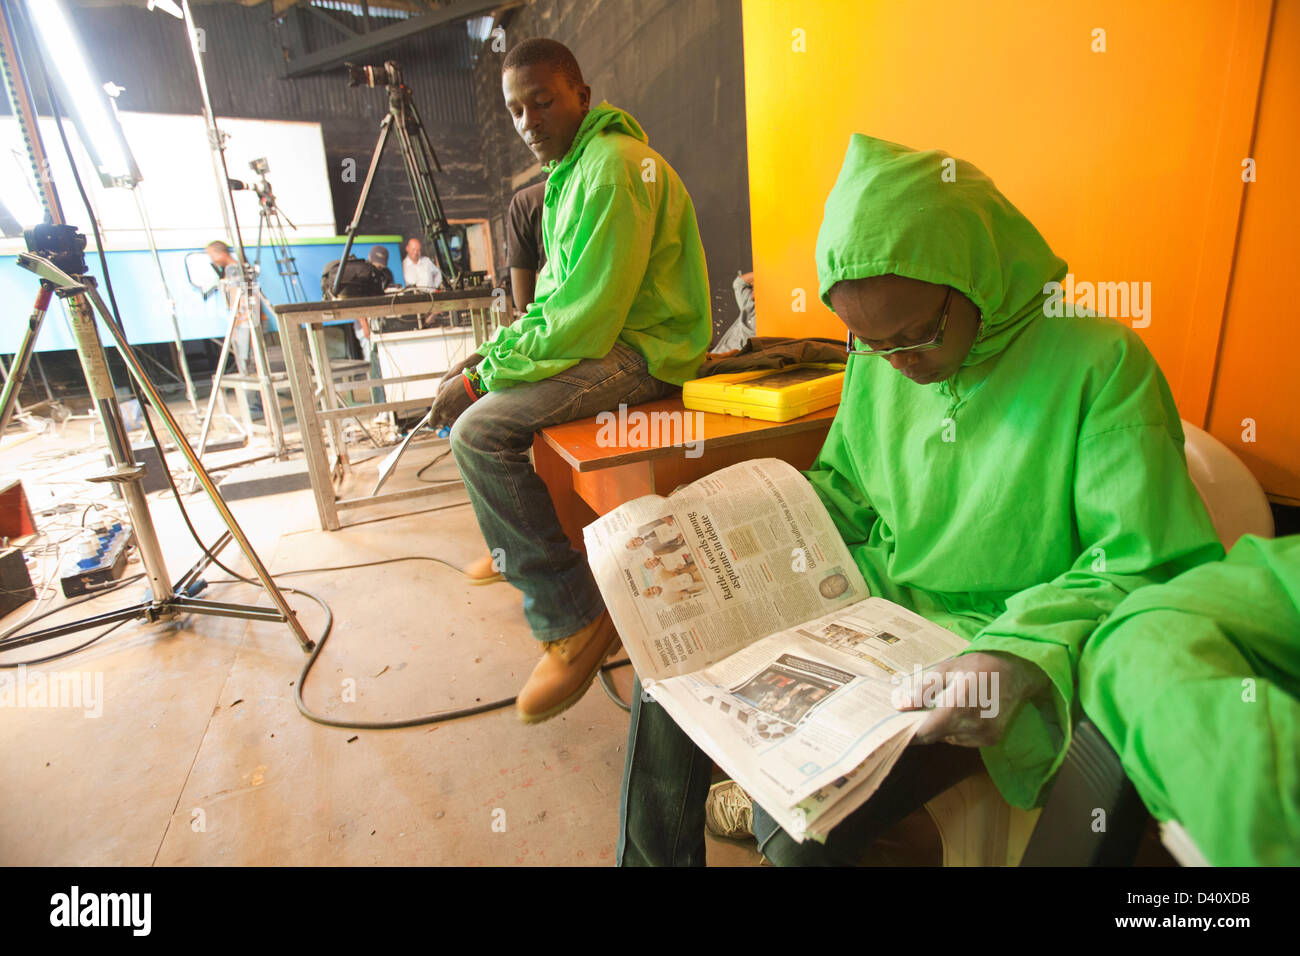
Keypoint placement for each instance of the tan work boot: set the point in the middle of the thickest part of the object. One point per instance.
(566, 670)
(483, 571)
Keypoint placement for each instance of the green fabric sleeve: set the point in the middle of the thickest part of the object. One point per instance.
(1126, 541)
(1204, 741)
(583, 316)
(1196, 684)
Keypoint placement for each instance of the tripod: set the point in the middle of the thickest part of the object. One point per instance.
(55, 258)
(246, 307)
(272, 221)
(420, 161)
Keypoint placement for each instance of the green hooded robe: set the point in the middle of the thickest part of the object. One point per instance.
(624, 263)
(1020, 501)
(1196, 684)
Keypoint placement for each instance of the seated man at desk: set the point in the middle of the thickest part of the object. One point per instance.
(620, 316)
(1010, 476)
(418, 270)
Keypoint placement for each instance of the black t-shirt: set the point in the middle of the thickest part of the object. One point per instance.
(524, 246)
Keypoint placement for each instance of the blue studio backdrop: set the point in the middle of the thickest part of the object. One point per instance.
(143, 304)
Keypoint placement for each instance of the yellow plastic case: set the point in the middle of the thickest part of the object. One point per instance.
(772, 394)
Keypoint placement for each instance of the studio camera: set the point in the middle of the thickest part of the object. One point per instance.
(390, 74)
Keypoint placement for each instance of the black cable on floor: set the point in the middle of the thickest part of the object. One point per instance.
(435, 481)
(63, 607)
(436, 718)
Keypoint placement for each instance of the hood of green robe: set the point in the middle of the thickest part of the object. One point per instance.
(929, 216)
(598, 119)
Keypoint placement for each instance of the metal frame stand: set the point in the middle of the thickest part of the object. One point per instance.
(261, 363)
(301, 327)
(272, 221)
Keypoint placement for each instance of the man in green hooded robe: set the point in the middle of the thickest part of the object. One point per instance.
(1196, 684)
(1008, 475)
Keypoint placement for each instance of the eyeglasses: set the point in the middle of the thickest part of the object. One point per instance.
(933, 342)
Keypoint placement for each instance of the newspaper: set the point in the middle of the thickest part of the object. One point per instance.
(748, 621)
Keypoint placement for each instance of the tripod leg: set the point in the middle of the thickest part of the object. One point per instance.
(421, 161)
(14, 378)
(270, 400)
(216, 382)
(174, 429)
(353, 226)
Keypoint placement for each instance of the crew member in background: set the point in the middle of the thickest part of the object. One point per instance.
(378, 258)
(241, 337)
(525, 247)
(418, 270)
(620, 316)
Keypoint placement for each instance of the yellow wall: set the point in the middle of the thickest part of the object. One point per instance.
(1128, 160)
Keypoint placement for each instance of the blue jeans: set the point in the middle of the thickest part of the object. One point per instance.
(491, 441)
(666, 781)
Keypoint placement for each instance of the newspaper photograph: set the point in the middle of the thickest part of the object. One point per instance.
(804, 707)
(739, 554)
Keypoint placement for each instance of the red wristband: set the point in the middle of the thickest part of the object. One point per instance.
(473, 396)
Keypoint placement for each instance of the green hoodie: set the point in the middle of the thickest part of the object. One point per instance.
(1196, 684)
(1018, 502)
(624, 263)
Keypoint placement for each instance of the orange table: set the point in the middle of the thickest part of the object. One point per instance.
(588, 478)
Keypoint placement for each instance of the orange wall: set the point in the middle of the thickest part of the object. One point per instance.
(1258, 377)
(1128, 161)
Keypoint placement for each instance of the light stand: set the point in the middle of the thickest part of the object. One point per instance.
(56, 255)
(133, 184)
(249, 295)
(272, 221)
(249, 301)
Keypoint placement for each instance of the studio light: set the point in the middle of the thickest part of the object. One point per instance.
(167, 6)
(82, 96)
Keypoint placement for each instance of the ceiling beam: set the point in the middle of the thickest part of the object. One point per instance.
(376, 40)
(321, 15)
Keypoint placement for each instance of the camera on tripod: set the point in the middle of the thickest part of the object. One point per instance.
(63, 245)
(390, 74)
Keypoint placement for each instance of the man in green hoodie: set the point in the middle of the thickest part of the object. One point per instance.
(1008, 475)
(620, 316)
(1196, 684)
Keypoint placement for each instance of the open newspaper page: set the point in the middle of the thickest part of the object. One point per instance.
(803, 719)
(739, 554)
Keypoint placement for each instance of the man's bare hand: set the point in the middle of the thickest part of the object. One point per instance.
(972, 699)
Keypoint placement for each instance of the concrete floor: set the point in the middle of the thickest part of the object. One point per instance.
(200, 756)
